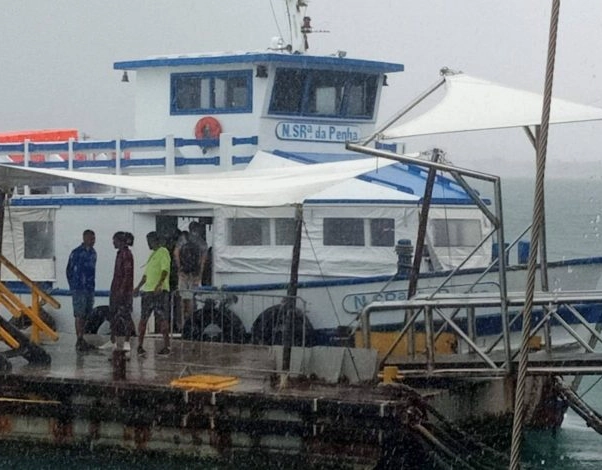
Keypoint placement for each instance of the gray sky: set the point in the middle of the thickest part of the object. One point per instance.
(57, 58)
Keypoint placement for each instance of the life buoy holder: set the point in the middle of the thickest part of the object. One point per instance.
(207, 128)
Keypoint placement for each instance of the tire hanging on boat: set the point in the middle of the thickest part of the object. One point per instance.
(214, 322)
(269, 327)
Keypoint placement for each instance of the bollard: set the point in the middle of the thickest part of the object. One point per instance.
(118, 362)
(405, 252)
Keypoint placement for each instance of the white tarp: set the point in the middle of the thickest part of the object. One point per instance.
(474, 104)
(267, 187)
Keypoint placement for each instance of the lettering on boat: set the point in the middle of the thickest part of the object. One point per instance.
(316, 132)
(353, 303)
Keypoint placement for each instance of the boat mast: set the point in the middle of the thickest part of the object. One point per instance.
(299, 25)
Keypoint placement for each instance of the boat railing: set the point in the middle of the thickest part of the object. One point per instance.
(168, 154)
(473, 350)
(240, 318)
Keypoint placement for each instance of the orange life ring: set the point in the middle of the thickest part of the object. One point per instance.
(207, 128)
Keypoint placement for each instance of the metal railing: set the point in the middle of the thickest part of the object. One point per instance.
(239, 317)
(555, 307)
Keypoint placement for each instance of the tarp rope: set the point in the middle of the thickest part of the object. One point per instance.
(538, 220)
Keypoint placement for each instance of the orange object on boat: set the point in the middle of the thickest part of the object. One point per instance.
(38, 135)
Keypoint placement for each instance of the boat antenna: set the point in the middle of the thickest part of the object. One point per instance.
(298, 24)
(275, 18)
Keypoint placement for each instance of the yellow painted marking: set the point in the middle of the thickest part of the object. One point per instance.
(205, 382)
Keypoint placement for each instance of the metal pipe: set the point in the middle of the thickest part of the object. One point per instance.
(405, 110)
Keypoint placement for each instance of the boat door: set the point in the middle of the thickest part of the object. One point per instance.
(170, 226)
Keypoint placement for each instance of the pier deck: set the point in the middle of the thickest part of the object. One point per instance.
(91, 399)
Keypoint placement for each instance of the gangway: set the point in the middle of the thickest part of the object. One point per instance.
(19, 343)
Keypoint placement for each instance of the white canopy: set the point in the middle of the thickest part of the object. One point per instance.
(266, 187)
(474, 104)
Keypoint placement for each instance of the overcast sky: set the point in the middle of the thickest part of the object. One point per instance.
(57, 58)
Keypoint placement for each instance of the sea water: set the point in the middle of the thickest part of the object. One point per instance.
(573, 226)
(573, 229)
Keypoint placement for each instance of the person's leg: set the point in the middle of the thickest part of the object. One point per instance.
(80, 322)
(146, 308)
(162, 314)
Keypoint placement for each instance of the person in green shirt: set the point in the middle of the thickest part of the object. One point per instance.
(154, 292)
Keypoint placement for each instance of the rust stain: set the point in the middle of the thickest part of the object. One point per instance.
(94, 430)
(61, 431)
(6, 424)
(221, 440)
(142, 435)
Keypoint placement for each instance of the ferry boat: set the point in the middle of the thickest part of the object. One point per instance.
(237, 141)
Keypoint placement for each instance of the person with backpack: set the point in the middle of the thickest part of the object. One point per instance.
(189, 254)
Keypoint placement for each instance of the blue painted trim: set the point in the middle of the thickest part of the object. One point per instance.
(241, 160)
(203, 143)
(254, 140)
(182, 161)
(98, 200)
(77, 164)
(63, 165)
(48, 147)
(136, 144)
(90, 145)
(263, 57)
(10, 148)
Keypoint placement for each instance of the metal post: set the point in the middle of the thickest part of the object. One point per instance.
(291, 294)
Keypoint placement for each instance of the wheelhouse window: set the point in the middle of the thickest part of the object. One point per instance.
(215, 92)
(38, 240)
(456, 232)
(324, 93)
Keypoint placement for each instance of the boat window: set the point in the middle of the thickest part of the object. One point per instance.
(456, 232)
(323, 93)
(39, 240)
(343, 232)
(285, 231)
(249, 231)
(215, 92)
(382, 232)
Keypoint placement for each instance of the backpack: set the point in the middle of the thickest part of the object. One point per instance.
(190, 258)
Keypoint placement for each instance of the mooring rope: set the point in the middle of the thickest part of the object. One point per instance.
(538, 218)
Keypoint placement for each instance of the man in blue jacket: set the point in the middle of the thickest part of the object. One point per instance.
(81, 275)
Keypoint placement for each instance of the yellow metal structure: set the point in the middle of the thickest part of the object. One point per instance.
(205, 382)
(446, 343)
(16, 307)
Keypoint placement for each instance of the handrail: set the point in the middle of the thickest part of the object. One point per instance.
(29, 283)
(17, 308)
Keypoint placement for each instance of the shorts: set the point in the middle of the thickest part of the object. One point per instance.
(187, 283)
(121, 320)
(83, 303)
(155, 302)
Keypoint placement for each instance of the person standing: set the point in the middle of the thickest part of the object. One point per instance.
(154, 291)
(122, 290)
(81, 276)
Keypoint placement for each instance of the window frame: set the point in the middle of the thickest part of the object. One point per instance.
(340, 79)
(246, 74)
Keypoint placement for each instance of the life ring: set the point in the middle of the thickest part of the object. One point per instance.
(207, 128)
